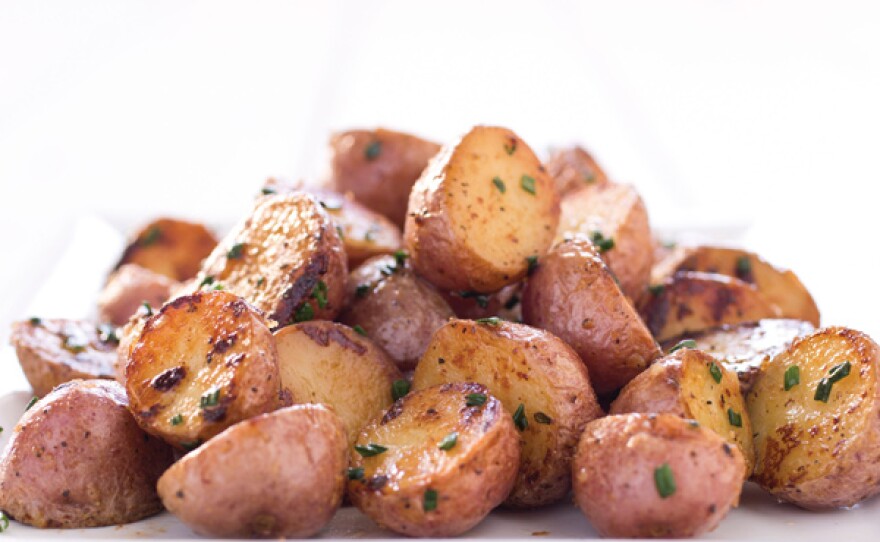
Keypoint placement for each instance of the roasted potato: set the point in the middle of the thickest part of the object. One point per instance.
(55, 351)
(742, 348)
(329, 363)
(78, 459)
(379, 168)
(573, 168)
(480, 212)
(692, 384)
(437, 462)
(397, 310)
(614, 217)
(540, 380)
(693, 301)
(128, 288)
(202, 363)
(815, 410)
(170, 247)
(780, 286)
(472, 306)
(655, 476)
(286, 259)
(572, 294)
(278, 475)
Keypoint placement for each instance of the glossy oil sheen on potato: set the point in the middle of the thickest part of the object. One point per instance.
(482, 207)
(171, 247)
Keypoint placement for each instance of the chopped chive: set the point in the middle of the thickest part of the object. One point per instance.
(332, 205)
(356, 473)
(792, 377)
(1, 429)
(734, 417)
(261, 281)
(4, 522)
(319, 293)
(687, 343)
(266, 190)
(430, 501)
(475, 399)
(340, 233)
(528, 184)
(218, 287)
(519, 418)
(664, 481)
(589, 178)
(35, 321)
(499, 184)
(75, 344)
(236, 251)
(448, 441)
(370, 449)
(604, 244)
(481, 299)
(490, 321)
(359, 330)
(510, 149)
(31, 403)
(190, 446)
(656, 289)
(207, 281)
(148, 309)
(399, 388)
(362, 290)
(304, 313)
(107, 333)
(152, 235)
(400, 257)
(715, 371)
(532, 262)
(373, 150)
(542, 418)
(370, 234)
(210, 398)
(177, 419)
(743, 267)
(837, 373)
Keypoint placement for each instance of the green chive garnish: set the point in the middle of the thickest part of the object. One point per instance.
(792, 377)
(604, 244)
(510, 149)
(261, 281)
(837, 373)
(490, 321)
(519, 418)
(35, 321)
(266, 191)
(152, 235)
(448, 441)
(528, 184)
(715, 371)
(177, 420)
(499, 184)
(399, 388)
(210, 398)
(207, 281)
(734, 417)
(4, 522)
(542, 418)
(743, 266)
(373, 150)
(370, 449)
(687, 343)
(304, 313)
(148, 309)
(356, 473)
(532, 262)
(475, 399)
(664, 480)
(430, 501)
(656, 289)
(319, 293)
(400, 257)
(359, 330)
(31, 403)
(236, 251)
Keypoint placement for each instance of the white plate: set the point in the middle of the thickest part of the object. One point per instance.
(70, 291)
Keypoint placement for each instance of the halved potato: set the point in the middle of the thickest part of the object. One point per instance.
(329, 363)
(55, 351)
(202, 363)
(538, 378)
(815, 410)
(279, 475)
(481, 210)
(129, 287)
(437, 462)
(379, 168)
(692, 301)
(171, 247)
(573, 168)
(742, 348)
(285, 259)
(573, 295)
(614, 217)
(692, 384)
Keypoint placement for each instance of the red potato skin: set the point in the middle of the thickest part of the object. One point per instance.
(128, 288)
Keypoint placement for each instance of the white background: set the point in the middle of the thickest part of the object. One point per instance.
(764, 115)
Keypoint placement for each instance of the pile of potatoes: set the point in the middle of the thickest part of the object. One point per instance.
(433, 333)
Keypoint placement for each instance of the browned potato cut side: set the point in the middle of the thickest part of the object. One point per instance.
(379, 167)
(573, 295)
(329, 363)
(129, 287)
(573, 168)
(537, 377)
(815, 410)
(655, 476)
(615, 218)
(692, 384)
(479, 212)
(170, 247)
(437, 462)
(202, 363)
(693, 301)
(55, 351)
(279, 475)
(742, 348)
(286, 259)
(395, 308)
(78, 459)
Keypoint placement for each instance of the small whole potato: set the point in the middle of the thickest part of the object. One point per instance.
(77, 458)
(655, 476)
(279, 475)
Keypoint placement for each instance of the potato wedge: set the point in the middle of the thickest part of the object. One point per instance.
(481, 209)
(692, 384)
(743, 348)
(286, 259)
(693, 301)
(397, 310)
(573, 295)
(170, 247)
(573, 168)
(129, 287)
(780, 286)
(202, 363)
(278, 475)
(655, 476)
(329, 363)
(537, 377)
(78, 459)
(437, 462)
(614, 217)
(379, 167)
(815, 410)
(55, 351)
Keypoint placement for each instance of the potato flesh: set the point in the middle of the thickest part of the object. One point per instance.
(174, 248)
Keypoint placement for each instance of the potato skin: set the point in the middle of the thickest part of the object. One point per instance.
(209, 358)
(504, 303)
(521, 366)
(379, 167)
(463, 230)
(55, 351)
(78, 459)
(171, 247)
(573, 295)
(470, 479)
(398, 310)
(573, 168)
(128, 288)
(815, 454)
(614, 482)
(278, 475)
